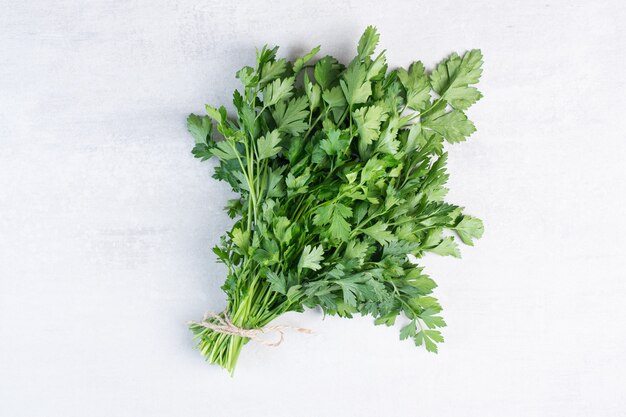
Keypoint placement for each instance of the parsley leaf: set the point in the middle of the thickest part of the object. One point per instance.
(290, 117)
(354, 84)
(368, 42)
(417, 86)
(368, 120)
(452, 77)
(278, 90)
(268, 145)
(469, 228)
(300, 62)
(311, 257)
(327, 71)
(380, 233)
(453, 126)
(200, 128)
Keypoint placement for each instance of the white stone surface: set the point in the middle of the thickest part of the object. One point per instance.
(106, 220)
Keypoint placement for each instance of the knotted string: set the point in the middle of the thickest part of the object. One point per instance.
(225, 326)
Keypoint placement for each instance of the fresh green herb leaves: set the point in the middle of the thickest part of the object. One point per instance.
(268, 145)
(367, 43)
(311, 258)
(341, 175)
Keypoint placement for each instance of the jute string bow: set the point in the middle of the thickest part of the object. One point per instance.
(225, 326)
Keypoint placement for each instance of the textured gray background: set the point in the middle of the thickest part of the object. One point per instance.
(106, 220)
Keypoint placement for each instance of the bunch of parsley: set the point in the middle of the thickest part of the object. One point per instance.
(341, 173)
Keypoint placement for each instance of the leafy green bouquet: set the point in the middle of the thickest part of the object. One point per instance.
(341, 173)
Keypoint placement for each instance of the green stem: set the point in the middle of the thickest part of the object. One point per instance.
(312, 126)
